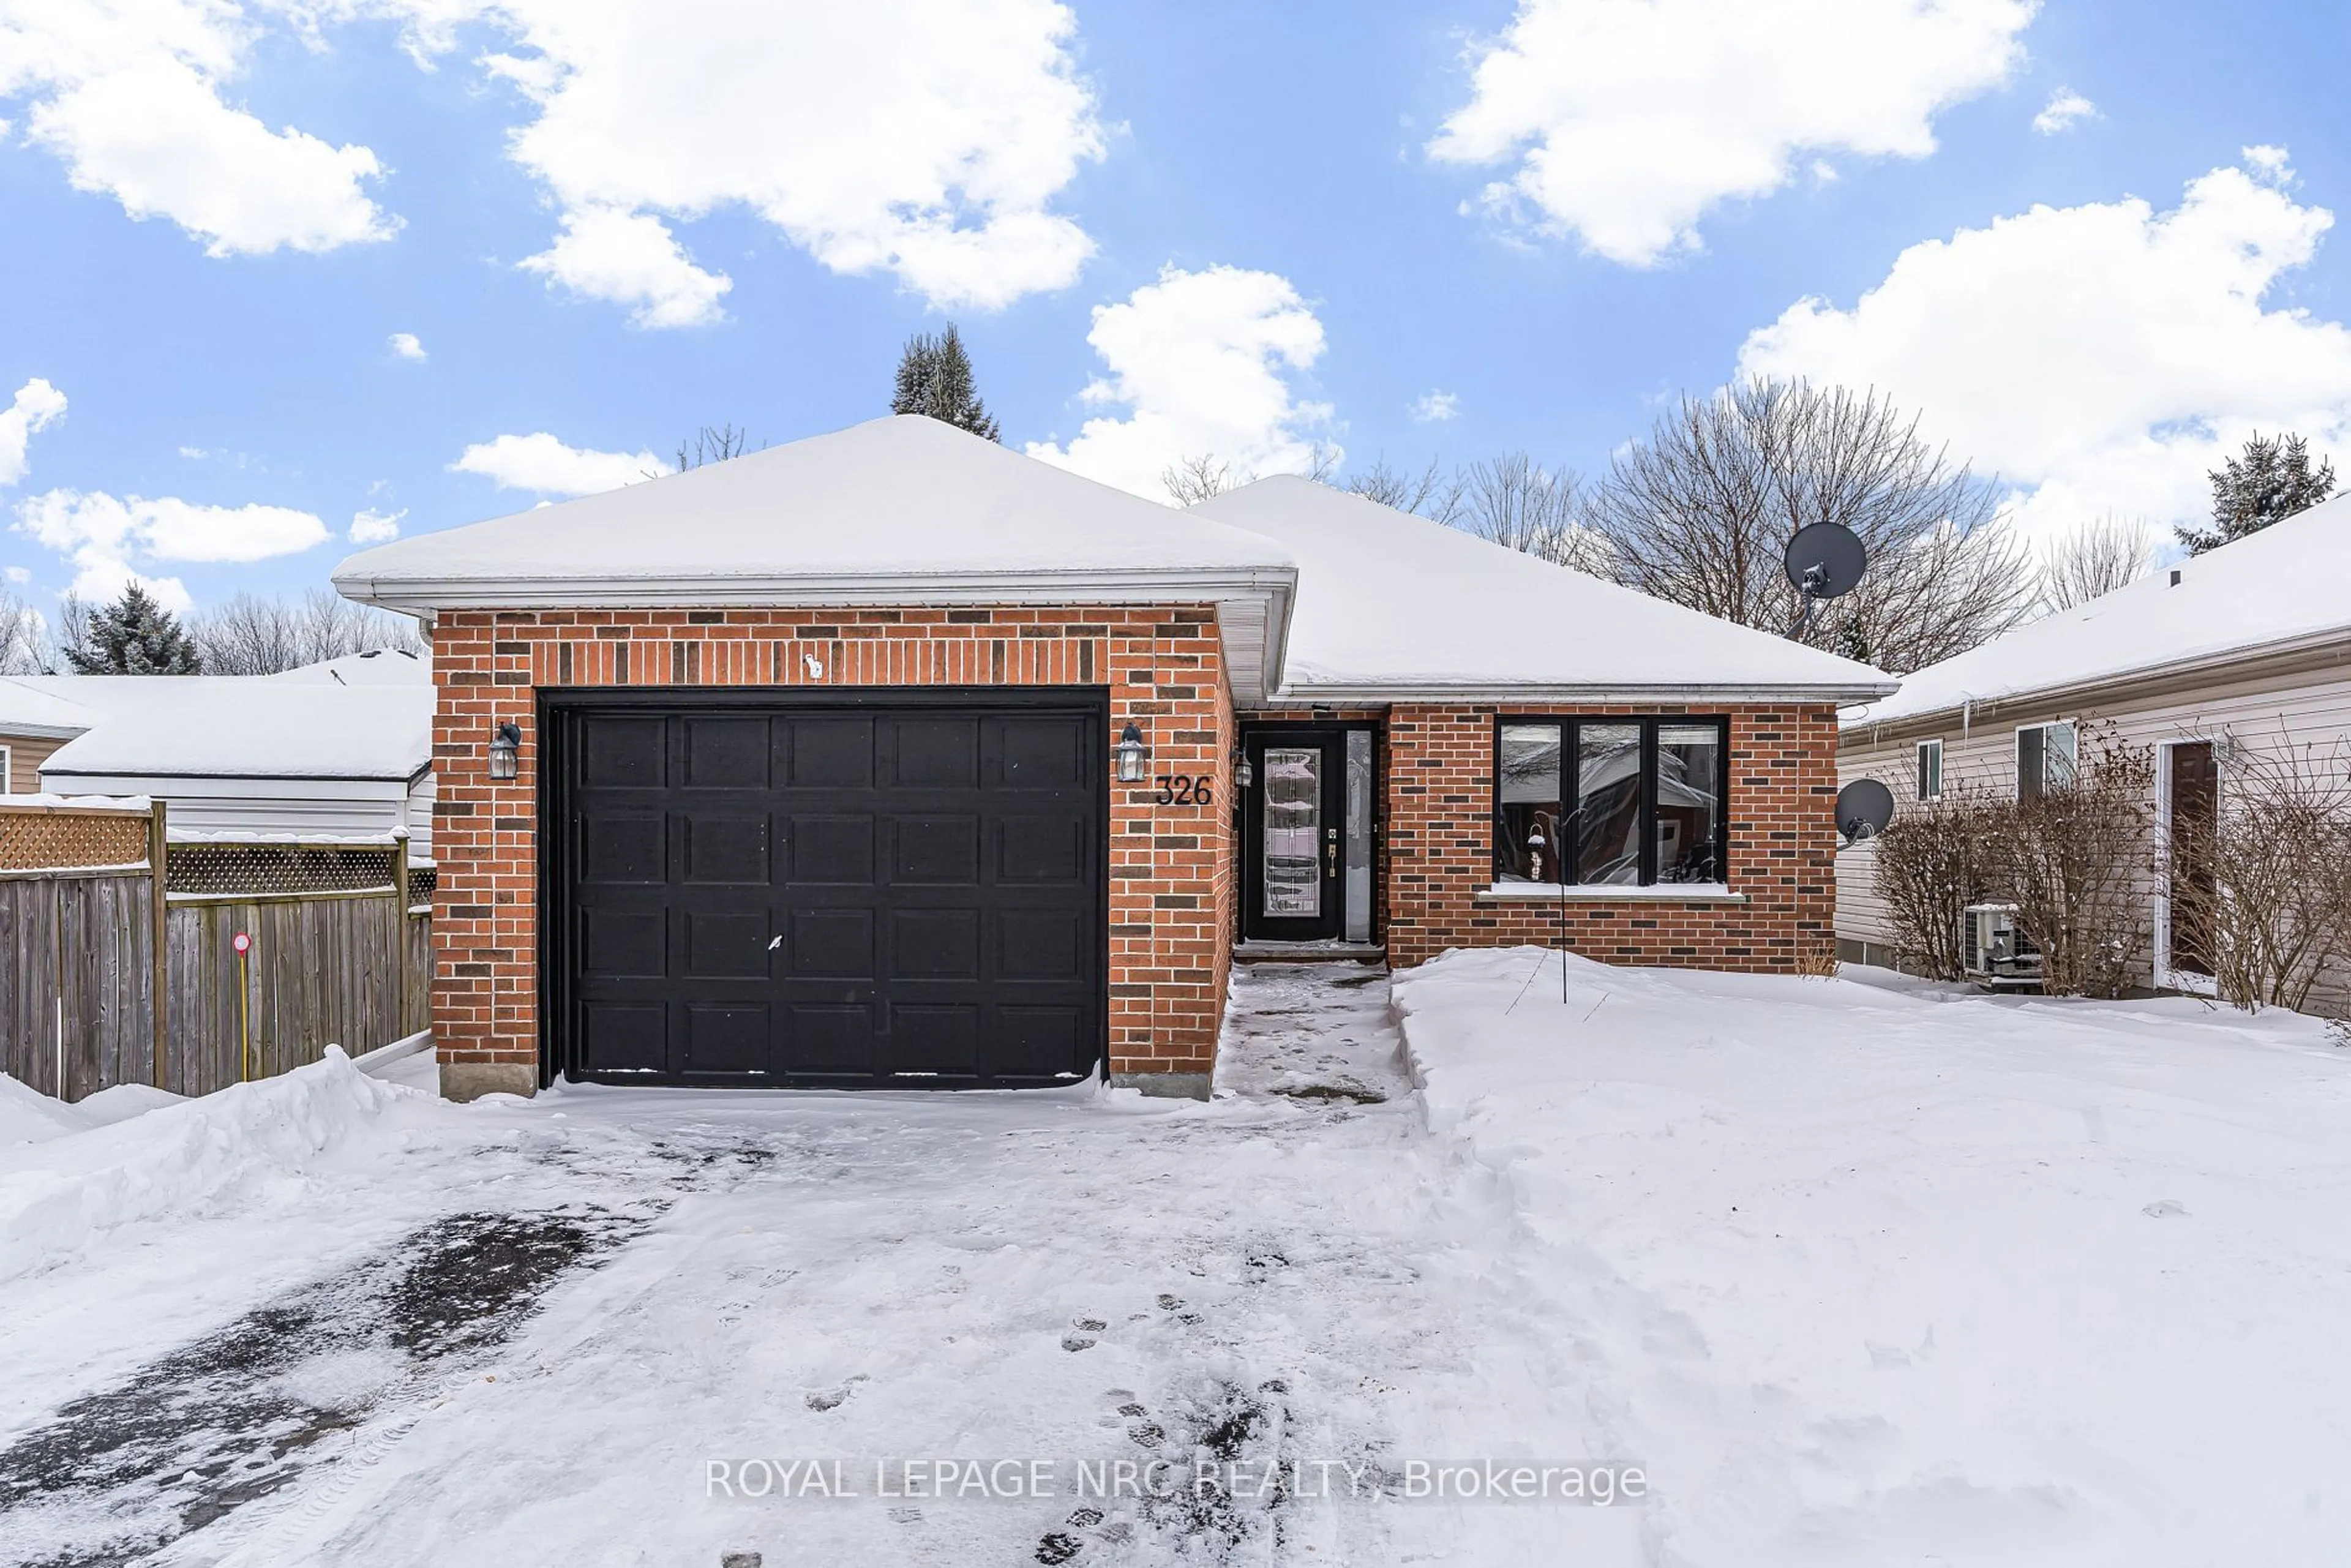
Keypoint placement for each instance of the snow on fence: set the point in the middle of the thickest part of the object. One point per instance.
(123, 969)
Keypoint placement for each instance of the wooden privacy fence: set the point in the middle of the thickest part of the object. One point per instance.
(118, 957)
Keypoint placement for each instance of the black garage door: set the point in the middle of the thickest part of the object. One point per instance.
(869, 893)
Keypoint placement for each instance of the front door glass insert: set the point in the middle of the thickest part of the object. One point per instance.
(1294, 832)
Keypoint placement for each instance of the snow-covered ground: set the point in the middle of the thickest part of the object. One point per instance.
(1854, 1271)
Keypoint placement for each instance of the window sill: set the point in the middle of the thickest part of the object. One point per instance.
(1658, 892)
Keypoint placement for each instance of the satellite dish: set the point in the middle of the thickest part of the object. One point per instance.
(1825, 560)
(1863, 808)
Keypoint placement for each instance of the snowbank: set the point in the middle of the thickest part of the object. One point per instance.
(1888, 1272)
(185, 1156)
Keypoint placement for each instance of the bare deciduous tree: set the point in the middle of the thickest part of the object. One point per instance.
(1191, 480)
(24, 638)
(711, 444)
(1700, 513)
(254, 637)
(2096, 557)
(1515, 502)
(1431, 493)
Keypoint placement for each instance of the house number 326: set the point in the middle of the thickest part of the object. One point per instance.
(1187, 790)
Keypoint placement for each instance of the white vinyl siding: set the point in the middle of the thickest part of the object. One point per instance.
(2314, 710)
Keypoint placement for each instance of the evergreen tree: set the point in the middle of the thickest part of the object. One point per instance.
(134, 636)
(2271, 482)
(934, 379)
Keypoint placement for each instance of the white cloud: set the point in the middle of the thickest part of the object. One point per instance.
(129, 95)
(35, 405)
(406, 346)
(1434, 407)
(926, 140)
(1201, 362)
(633, 259)
(370, 526)
(2100, 358)
(2064, 107)
(539, 461)
(104, 536)
(19, 575)
(1627, 120)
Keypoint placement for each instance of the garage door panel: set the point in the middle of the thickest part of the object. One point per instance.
(908, 896)
(726, 752)
(1043, 753)
(831, 848)
(626, 1036)
(625, 754)
(836, 1040)
(935, 1041)
(627, 944)
(935, 752)
(935, 944)
(618, 848)
(1039, 945)
(830, 752)
(726, 946)
(1040, 1042)
(938, 850)
(726, 1039)
(832, 945)
(725, 850)
(1034, 849)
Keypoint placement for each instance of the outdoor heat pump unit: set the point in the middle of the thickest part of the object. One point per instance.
(1992, 949)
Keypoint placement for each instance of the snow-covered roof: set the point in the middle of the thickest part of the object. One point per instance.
(1390, 604)
(240, 727)
(374, 667)
(26, 709)
(891, 511)
(2290, 583)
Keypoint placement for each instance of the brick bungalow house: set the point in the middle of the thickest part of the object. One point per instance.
(895, 758)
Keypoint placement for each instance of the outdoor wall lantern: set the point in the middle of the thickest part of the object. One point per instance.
(1134, 756)
(1243, 774)
(505, 750)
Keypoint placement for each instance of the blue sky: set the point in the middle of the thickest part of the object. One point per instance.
(1254, 231)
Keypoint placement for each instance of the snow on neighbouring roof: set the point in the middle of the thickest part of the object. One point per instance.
(1392, 603)
(26, 709)
(2289, 582)
(235, 726)
(895, 498)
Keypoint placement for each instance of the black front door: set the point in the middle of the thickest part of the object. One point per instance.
(876, 892)
(1290, 824)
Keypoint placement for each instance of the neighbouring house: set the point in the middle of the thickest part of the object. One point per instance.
(895, 758)
(340, 748)
(2219, 663)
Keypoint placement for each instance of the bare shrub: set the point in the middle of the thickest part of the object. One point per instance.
(2074, 862)
(2266, 886)
(1933, 861)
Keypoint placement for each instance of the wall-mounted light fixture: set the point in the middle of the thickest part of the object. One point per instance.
(505, 750)
(1244, 774)
(1134, 755)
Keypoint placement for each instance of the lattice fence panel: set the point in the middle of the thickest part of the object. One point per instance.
(256, 870)
(421, 881)
(47, 839)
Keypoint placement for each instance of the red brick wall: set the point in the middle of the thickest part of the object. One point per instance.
(1783, 783)
(1171, 873)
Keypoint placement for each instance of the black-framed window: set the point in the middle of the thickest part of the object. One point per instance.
(1612, 802)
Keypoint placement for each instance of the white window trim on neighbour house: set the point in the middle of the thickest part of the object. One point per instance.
(2166, 977)
(8, 771)
(2073, 753)
(1931, 778)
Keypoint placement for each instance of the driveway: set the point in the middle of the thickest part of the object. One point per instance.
(585, 1328)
